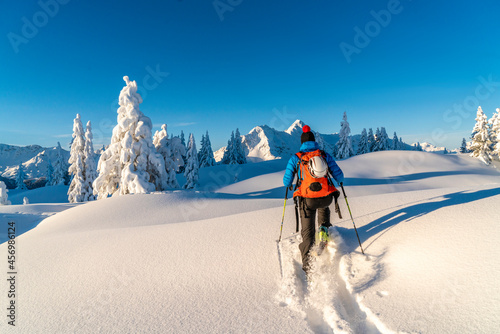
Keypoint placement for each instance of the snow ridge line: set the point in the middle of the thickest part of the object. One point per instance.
(326, 303)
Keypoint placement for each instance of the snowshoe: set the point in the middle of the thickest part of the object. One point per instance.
(322, 239)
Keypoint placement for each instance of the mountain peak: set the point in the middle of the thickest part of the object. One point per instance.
(295, 127)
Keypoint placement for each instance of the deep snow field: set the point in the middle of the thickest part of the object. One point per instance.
(207, 261)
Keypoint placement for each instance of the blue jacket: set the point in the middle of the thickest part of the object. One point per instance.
(309, 146)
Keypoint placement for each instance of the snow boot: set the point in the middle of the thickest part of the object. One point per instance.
(323, 239)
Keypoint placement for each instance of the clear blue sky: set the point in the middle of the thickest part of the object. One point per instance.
(264, 57)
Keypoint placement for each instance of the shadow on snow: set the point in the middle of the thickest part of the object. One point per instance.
(406, 214)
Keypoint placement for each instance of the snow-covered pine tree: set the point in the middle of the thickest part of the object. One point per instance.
(60, 170)
(202, 148)
(178, 152)
(344, 145)
(90, 171)
(239, 153)
(319, 140)
(481, 142)
(376, 141)
(371, 140)
(184, 158)
(183, 139)
(4, 196)
(495, 133)
(395, 142)
(228, 156)
(417, 147)
(323, 145)
(50, 171)
(75, 192)
(463, 147)
(76, 160)
(363, 143)
(445, 151)
(207, 153)
(20, 185)
(192, 166)
(162, 144)
(384, 140)
(402, 145)
(130, 164)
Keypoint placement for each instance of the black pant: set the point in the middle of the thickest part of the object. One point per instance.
(308, 221)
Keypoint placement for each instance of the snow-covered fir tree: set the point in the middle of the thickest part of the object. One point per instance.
(323, 145)
(183, 139)
(90, 171)
(481, 142)
(76, 160)
(201, 147)
(60, 169)
(239, 152)
(228, 156)
(344, 145)
(178, 153)
(384, 140)
(402, 145)
(192, 166)
(20, 185)
(234, 153)
(75, 192)
(376, 141)
(206, 154)
(319, 140)
(363, 143)
(50, 172)
(445, 151)
(417, 147)
(184, 158)
(4, 196)
(371, 140)
(495, 133)
(463, 147)
(395, 142)
(162, 144)
(130, 165)
(335, 150)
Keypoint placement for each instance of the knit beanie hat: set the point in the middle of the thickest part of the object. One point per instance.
(307, 135)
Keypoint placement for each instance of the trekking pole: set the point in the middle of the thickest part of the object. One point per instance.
(355, 229)
(283, 218)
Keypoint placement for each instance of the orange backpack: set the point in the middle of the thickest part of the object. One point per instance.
(307, 185)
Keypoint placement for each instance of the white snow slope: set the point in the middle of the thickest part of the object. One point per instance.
(208, 262)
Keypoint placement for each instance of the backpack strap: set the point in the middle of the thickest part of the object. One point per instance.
(299, 171)
(297, 185)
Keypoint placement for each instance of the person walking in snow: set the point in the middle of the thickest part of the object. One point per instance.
(314, 189)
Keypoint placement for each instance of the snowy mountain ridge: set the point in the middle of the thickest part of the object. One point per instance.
(264, 143)
(34, 158)
(428, 147)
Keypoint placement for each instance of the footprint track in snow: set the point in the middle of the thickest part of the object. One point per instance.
(325, 303)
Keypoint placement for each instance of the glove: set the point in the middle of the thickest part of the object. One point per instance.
(291, 188)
